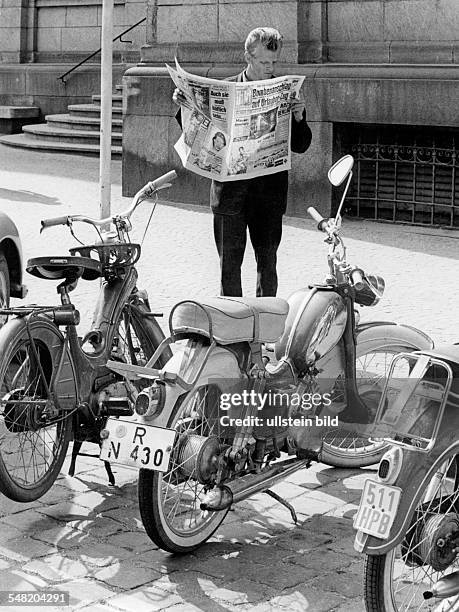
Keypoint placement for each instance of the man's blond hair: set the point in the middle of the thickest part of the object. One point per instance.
(270, 38)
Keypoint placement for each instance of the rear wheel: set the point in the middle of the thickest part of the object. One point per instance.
(396, 581)
(35, 426)
(170, 502)
(4, 286)
(344, 448)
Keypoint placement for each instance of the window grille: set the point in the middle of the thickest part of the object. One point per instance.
(402, 174)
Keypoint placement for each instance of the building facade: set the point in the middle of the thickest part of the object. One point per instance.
(381, 82)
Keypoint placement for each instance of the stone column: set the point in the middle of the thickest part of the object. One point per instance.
(13, 31)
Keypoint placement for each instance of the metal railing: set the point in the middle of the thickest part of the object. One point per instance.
(414, 182)
(119, 37)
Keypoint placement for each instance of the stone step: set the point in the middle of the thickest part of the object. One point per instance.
(25, 142)
(74, 122)
(91, 110)
(42, 131)
(117, 100)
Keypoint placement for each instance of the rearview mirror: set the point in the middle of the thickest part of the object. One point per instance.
(340, 170)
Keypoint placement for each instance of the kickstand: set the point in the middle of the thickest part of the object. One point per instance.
(282, 501)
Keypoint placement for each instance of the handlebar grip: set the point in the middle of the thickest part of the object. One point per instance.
(162, 180)
(357, 279)
(315, 214)
(54, 221)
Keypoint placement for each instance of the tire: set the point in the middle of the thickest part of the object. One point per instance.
(4, 286)
(396, 581)
(343, 448)
(34, 429)
(197, 413)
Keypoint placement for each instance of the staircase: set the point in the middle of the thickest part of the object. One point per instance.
(77, 131)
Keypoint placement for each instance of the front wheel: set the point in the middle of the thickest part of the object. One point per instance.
(397, 580)
(345, 448)
(35, 407)
(170, 502)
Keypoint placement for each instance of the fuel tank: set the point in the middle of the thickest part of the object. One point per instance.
(315, 323)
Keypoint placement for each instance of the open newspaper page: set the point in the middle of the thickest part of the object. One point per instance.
(234, 131)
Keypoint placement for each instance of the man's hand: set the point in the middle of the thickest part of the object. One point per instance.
(180, 98)
(298, 107)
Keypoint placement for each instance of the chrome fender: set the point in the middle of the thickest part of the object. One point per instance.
(416, 471)
(220, 368)
(380, 334)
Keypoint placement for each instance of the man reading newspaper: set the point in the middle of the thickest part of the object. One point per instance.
(257, 204)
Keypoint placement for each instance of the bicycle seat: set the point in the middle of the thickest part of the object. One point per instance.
(56, 268)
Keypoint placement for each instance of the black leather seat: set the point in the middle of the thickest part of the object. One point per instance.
(71, 267)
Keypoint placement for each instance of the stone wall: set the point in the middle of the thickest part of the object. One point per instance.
(65, 30)
(39, 85)
(393, 31)
(363, 31)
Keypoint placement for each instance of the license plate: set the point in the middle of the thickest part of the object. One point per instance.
(137, 445)
(377, 510)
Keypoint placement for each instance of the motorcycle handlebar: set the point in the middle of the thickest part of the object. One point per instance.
(54, 221)
(315, 214)
(158, 183)
(322, 223)
(147, 190)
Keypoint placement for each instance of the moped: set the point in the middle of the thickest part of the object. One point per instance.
(210, 429)
(54, 385)
(408, 520)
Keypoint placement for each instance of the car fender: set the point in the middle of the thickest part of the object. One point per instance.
(10, 245)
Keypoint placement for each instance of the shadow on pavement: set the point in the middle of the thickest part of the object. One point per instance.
(20, 195)
(436, 241)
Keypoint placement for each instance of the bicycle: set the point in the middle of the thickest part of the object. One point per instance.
(54, 385)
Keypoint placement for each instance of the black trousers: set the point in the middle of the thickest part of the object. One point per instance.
(265, 229)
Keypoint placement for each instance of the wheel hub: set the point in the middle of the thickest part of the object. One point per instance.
(23, 413)
(437, 541)
(198, 457)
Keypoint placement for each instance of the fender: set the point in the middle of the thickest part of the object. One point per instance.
(417, 470)
(10, 245)
(44, 330)
(393, 334)
(220, 368)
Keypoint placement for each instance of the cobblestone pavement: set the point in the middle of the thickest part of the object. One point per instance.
(87, 538)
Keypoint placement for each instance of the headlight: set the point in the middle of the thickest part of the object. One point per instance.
(372, 291)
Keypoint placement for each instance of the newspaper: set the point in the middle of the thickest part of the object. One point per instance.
(234, 131)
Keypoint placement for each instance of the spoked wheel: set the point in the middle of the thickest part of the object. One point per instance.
(35, 426)
(170, 502)
(344, 448)
(4, 287)
(396, 581)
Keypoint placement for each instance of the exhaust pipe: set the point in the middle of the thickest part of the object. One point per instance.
(448, 586)
(221, 498)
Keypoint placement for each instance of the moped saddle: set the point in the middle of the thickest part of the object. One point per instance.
(55, 268)
(231, 319)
